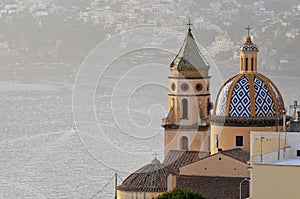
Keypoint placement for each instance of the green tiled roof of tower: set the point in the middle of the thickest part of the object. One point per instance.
(189, 57)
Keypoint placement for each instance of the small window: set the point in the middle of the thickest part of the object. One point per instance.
(239, 141)
(246, 64)
(199, 87)
(298, 153)
(184, 143)
(184, 87)
(173, 86)
(216, 141)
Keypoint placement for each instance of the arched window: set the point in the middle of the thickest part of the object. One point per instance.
(184, 145)
(242, 62)
(246, 64)
(185, 105)
(208, 106)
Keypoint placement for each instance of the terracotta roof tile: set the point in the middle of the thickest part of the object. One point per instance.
(238, 154)
(150, 178)
(176, 159)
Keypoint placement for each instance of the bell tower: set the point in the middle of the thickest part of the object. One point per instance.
(187, 124)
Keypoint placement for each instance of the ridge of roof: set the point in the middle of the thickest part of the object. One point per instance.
(238, 154)
(179, 158)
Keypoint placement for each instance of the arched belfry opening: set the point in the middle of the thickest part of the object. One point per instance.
(184, 143)
(185, 111)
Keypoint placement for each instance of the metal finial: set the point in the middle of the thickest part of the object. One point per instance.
(155, 154)
(189, 24)
(248, 28)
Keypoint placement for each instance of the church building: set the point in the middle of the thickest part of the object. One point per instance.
(204, 152)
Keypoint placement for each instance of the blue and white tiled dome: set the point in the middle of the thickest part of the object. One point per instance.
(249, 95)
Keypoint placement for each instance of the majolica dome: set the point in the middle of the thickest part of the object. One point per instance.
(249, 95)
(248, 98)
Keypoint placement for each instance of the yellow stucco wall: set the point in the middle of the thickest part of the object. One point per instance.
(217, 165)
(267, 142)
(198, 140)
(171, 182)
(227, 136)
(276, 182)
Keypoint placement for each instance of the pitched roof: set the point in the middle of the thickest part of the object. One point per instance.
(176, 159)
(150, 178)
(189, 57)
(238, 154)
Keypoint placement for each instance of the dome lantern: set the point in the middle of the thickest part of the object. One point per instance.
(248, 55)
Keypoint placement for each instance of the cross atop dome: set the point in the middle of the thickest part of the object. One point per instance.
(248, 28)
(248, 40)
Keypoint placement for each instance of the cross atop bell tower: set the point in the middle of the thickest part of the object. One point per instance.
(189, 24)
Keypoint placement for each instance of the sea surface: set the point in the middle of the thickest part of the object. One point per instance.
(67, 129)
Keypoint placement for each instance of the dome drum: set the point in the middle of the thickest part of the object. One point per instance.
(249, 122)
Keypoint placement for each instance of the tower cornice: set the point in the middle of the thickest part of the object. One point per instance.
(199, 77)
